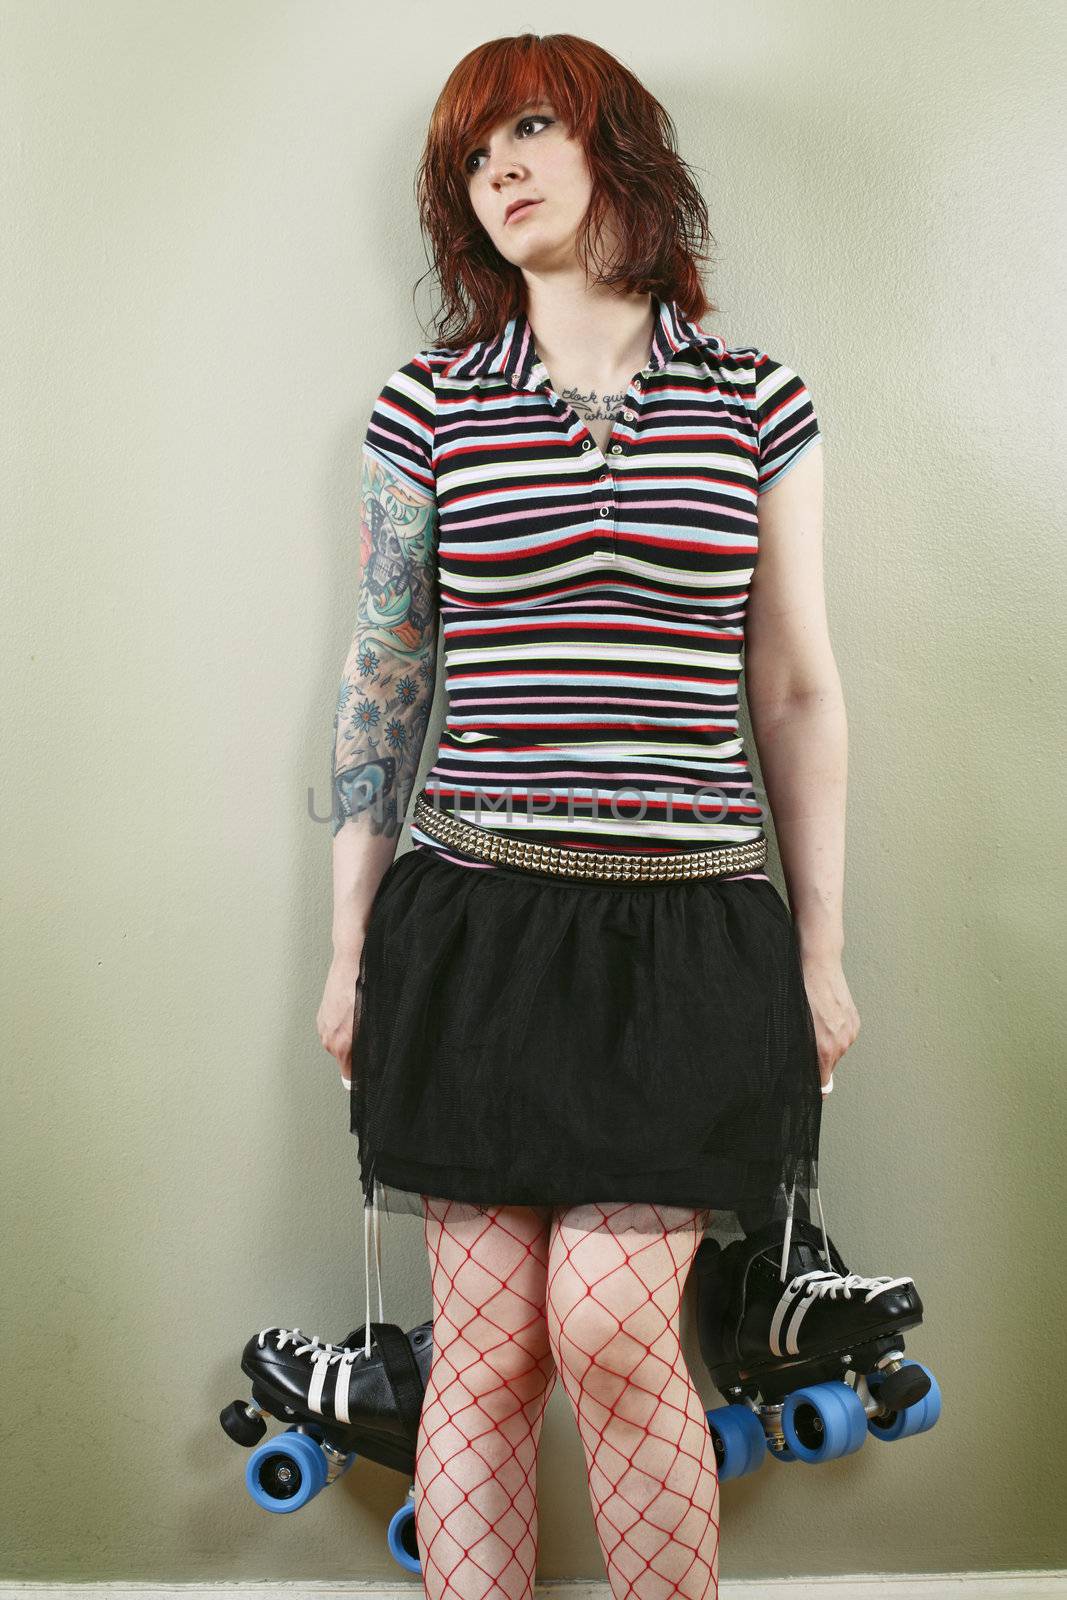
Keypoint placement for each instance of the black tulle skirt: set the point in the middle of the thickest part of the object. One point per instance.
(523, 1039)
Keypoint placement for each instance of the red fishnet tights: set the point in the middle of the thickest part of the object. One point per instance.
(519, 1294)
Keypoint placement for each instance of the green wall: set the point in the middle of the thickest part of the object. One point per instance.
(209, 249)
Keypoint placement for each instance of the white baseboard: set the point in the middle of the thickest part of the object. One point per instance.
(902, 1586)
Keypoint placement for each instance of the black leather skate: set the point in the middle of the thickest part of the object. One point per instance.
(759, 1322)
(781, 1322)
(361, 1396)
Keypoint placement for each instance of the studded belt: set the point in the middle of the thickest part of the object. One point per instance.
(568, 863)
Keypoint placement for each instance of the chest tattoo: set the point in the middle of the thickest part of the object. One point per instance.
(591, 406)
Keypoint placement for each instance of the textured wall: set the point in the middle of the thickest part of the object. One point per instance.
(209, 246)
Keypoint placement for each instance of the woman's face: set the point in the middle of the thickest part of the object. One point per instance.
(530, 157)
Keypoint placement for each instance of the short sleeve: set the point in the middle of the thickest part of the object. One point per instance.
(785, 419)
(401, 428)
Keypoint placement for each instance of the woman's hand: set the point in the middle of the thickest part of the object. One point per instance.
(836, 1019)
(336, 1011)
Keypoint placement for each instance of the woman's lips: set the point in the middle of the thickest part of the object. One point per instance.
(520, 211)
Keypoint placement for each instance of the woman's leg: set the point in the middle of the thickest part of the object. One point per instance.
(490, 1378)
(613, 1300)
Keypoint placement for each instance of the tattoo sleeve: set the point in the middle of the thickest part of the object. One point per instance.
(386, 693)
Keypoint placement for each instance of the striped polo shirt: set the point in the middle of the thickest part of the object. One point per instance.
(592, 603)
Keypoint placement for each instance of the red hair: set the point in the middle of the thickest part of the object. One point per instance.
(638, 178)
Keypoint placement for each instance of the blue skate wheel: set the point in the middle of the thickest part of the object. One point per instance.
(740, 1442)
(824, 1421)
(285, 1472)
(403, 1545)
(914, 1419)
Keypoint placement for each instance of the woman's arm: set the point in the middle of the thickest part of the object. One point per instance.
(796, 705)
(386, 692)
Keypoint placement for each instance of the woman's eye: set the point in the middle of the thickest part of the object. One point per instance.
(520, 124)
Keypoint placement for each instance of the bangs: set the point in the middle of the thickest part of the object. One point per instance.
(516, 77)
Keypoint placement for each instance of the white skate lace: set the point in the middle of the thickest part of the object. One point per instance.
(804, 1290)
(829, 1285)
(825, 1281)
(323, 1356)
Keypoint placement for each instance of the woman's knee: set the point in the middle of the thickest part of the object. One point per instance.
(492, 1370)
(614, 1290)
(488, 1269)
(585, 1332)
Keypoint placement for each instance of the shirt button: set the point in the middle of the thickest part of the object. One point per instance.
(615, 449)
(603, 511)
(628, 416)
(585, 444)
(604, 477)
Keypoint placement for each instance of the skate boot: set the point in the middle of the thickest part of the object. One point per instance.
(370, 1403)
(782, 1324)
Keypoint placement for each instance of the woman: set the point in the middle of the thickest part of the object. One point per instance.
(585, 1020)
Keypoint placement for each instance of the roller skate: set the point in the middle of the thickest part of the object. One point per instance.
(359, 1396)
(809, 1355)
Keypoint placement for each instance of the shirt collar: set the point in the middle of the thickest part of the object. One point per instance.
(513, 353)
